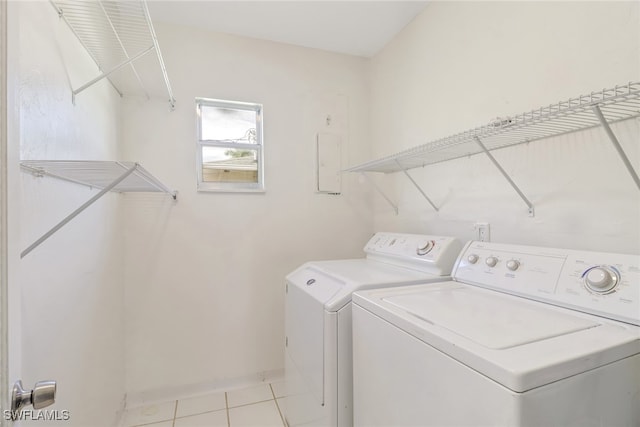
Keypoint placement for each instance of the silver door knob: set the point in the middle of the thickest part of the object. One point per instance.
(42, 395)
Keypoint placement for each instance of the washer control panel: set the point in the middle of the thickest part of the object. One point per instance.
(604, 284)
(432, 254)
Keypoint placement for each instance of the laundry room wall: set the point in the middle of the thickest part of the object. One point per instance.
(205, 275)
(459, 65)
(71, 285)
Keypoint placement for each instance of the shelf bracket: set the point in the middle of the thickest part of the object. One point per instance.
(416, 185)
(172, 100)
(616, 144)
(123, 47)
(155, 182)
(379, 190)
(75, 33)
(80, 209)
(506, 175)
(114, 69)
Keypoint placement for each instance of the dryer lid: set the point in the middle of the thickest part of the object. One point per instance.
(334, 281)
(486, 319)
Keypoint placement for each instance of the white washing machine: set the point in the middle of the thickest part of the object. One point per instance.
(318, 356)
(523, 336)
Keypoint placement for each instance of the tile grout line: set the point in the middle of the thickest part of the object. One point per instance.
(249, 404)
(277, 406)
(151, 423)
(201, 413)
(226, 404)
(175, 414)
(227, 409)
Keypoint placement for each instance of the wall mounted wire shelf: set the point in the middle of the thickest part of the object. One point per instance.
(116, 34)
(105, 176)
(586, 111)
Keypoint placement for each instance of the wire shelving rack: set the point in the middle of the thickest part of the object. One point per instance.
(115, 33)
(586, 111)
(106, 176)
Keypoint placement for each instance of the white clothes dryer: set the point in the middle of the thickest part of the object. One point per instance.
(522, 336)
(318, 361)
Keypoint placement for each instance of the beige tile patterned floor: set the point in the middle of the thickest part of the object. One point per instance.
(252, 406)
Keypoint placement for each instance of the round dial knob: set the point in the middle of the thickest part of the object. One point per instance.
(491, 261)
(601, 279)
(513, 264)
(426, 248)
(473, 258)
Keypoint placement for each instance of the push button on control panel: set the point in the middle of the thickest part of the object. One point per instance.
(513, 264)
(491, 261)
(473, 258)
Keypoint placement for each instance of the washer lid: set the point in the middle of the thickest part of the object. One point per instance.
(519, 343)
(487, 320)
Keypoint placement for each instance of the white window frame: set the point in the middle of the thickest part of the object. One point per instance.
(249, 187)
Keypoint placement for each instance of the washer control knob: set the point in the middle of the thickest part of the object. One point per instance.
(491, 261)
(473, 258)
(513, 264)
(601, 279)
(426, 248)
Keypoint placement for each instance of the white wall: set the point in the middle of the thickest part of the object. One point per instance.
(460, 64)
(72, 295)
(205, 276)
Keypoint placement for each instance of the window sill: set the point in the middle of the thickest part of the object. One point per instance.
(232, 190)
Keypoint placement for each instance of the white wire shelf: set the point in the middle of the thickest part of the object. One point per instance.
(115, 33)
(98, 174)
(105, 176)
(619, 103)
(595, 109)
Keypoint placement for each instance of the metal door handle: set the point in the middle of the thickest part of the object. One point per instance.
(42, 395)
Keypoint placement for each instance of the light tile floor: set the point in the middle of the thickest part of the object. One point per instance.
(251, 406)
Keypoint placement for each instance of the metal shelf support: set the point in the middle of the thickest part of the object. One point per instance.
(104, 175)
(163, 68)
(417, 186)
(75, 213)
(616, 144)
(114, 69)
(506, 175)
(61, 16)
(379, 190)
(114, 33)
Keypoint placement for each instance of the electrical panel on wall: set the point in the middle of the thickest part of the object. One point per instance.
(328, 163)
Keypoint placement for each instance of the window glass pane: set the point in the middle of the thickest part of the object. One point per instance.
(226, 124)
(221, 164)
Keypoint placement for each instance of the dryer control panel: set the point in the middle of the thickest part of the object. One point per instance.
(604, 284)
(431, 254)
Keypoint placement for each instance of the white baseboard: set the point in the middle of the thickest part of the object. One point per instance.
(184, 391)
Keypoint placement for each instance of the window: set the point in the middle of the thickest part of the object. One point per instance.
(230, 149)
